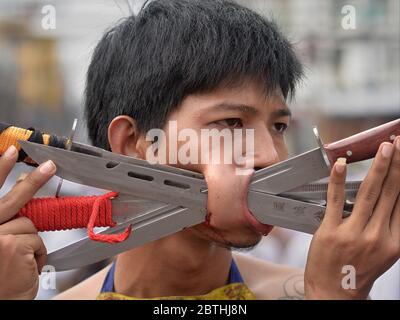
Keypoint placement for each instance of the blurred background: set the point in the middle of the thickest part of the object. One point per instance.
(352, 84)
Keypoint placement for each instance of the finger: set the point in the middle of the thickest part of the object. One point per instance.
(395, 220)
(38, 248)
(24, 191)
(336, 194)
(370, 188)
(21, 177)
(7, 162)
(380, 218)
(18, 226)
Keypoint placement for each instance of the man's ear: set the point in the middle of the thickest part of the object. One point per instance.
(124, 137)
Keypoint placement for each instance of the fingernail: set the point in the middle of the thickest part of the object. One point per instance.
(10, 152)
(47, 167)
(387, 150)
(340, 165)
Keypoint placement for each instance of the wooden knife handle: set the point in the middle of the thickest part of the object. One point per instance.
(363, 145)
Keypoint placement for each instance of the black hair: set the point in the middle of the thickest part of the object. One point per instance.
(148, 63)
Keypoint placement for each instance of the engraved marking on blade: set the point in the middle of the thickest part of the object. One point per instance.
(319, 215)
(280, 206)
(315, 162)
(299, 210)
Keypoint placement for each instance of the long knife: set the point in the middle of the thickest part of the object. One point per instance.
(167, 219)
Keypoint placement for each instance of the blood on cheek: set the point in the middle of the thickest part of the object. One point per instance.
(208, 219)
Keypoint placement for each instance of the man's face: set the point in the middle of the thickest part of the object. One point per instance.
(229, 222)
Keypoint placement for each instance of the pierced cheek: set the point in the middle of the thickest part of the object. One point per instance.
(208, 219)
(227, 194)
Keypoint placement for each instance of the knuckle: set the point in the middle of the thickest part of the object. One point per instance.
(335, 181)
(396, 164)
(327, 236)
(33, 181)
(8, 243)
(382, 163)
(369, 195)
(6, 199)
(389, 188)
(29, 224)
(394, 250)
(348, 241)
(341, 241)
(36, 237)
(44, 248)
(336, 198)
(380, 167)
(6, 165)
(372, 240)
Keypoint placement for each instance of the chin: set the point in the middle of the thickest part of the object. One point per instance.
(243, 241)
(242, 236)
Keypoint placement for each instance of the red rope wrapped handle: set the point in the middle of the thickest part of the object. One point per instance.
(53, 214)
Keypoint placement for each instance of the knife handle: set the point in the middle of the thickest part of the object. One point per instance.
(9, 135)
(363, 145)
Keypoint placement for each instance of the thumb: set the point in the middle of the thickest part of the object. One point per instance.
(24, 190)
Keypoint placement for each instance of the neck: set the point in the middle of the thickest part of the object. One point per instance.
(179, 265)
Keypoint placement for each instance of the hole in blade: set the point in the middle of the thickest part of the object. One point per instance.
(111, 164)
(176, 184)
(140, 176)
(204, 190)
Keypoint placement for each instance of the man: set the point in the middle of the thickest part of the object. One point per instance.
(209, 64)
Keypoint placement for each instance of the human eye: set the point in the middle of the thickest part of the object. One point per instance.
(231, 123)
(281, 127)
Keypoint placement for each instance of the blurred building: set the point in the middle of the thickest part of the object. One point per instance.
(352, 76)
(352, 80)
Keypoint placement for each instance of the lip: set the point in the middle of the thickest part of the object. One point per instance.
(262, 228)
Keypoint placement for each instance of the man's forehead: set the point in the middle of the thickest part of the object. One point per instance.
(249, 97)
(278, 109)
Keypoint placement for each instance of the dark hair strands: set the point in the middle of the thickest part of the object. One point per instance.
(147, 64)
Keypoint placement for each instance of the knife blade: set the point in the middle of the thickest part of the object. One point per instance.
(162, 221)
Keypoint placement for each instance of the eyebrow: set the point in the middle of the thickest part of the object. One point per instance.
(235, 107)
(281, 112)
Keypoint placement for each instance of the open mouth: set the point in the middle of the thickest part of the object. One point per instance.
(228, 190)
(262, 228)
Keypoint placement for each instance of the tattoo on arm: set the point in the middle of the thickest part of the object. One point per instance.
(293, 288)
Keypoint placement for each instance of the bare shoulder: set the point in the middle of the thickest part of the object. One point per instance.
(270, 281)
(87, 289)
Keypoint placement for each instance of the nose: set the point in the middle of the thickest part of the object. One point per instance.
(265, 151)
